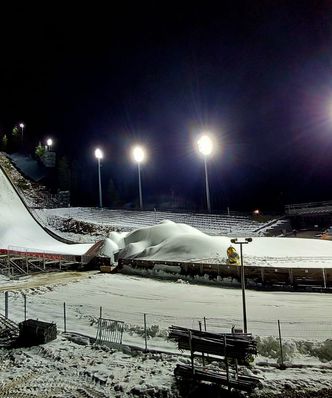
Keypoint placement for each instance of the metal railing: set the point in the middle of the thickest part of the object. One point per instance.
(109, 332)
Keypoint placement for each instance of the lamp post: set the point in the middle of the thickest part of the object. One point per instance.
(243, 284)
(22, 129)
(139, 156)
(99, 155)
(49, 143)
(205, 147)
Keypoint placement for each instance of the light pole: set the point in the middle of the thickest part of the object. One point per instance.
(22, 129)
(49, 143)
(139, 156)
(243, 283)
(99, 155)
(205, 147)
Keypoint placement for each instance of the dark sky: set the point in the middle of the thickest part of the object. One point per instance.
(257, 74)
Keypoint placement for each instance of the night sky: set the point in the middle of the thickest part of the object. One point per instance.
(256, 74)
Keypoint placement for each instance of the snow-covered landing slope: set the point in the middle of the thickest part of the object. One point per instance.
(19, 229)
(180, 242)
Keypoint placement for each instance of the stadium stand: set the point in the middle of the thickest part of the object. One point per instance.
(212, 224)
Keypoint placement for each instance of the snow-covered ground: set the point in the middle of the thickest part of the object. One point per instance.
(306, 323)
(127, 298)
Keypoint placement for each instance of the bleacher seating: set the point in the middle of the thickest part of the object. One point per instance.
(212, 224)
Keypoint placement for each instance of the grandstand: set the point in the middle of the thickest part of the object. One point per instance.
(309, 208)
(311, 215)
(127, 220)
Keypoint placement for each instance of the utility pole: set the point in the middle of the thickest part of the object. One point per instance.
(243, 283)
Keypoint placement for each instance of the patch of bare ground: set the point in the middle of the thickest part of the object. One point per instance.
(45, 279)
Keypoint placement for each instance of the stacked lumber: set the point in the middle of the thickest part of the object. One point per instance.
(240, 382)
(231, 345)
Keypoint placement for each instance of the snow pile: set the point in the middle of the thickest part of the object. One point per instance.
(168, 240)
(180, 242)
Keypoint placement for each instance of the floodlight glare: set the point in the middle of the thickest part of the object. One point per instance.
(49, 142)
(22, 130)
(98, 153)
(205, 145)
(139, 154)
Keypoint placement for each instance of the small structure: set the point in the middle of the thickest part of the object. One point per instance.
(34, 332)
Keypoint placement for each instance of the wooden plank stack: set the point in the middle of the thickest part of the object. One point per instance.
(240, 346)
(239, 382)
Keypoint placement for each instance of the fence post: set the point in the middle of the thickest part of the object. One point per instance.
(280, 343)
(324, 278)
(100, 312)
(204, 324)
(6, 304)
(191, 352)
(145, 334)
(25, 306)
(64, 318)
(226, 361)
(200, 329)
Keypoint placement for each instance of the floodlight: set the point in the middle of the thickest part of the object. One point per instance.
(138, 154)
(98, 153)
(205, 145)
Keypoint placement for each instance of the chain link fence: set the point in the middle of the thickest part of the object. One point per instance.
(149, 331)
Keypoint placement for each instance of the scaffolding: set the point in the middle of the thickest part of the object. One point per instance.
(23, 261)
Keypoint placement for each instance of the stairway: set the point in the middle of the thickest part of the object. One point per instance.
(9, 331)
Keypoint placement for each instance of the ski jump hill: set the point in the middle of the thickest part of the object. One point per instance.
(22, 234)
